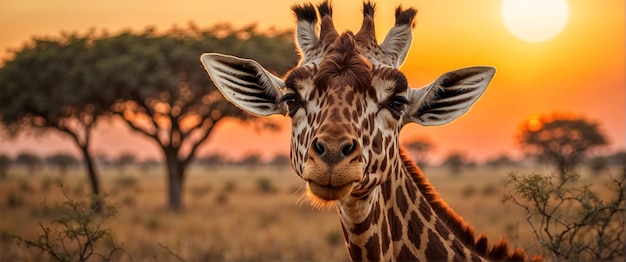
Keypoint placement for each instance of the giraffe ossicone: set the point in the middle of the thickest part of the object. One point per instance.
(348, 102)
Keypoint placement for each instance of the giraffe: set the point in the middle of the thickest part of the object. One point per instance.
(348, 102)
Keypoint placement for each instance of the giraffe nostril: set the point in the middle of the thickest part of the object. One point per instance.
(348, 148)
(319, 148)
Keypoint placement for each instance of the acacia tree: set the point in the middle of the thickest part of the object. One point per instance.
(561, 139)
(49, 84)
(455, 161)
(164, 93)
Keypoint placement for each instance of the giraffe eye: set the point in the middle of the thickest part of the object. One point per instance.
(292, 101)
(397, 105)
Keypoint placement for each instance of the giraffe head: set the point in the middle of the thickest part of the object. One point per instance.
(347, 99)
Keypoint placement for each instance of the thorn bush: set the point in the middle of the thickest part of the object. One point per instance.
(571, 221)
(74, 232)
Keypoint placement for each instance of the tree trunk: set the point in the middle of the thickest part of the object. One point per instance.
(566, 169)
(93, 179)
(175, 177)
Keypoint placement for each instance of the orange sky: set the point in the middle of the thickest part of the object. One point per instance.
(580, 71)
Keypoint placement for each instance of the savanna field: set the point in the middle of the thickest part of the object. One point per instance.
(238, 213)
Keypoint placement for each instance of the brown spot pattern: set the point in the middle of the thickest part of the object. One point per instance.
(401, 201)
(360, 228)
(435, 250)
(415, 230)
(395, 225)
(377, 145)
(373, 248)
(406, 255)
(355, 252)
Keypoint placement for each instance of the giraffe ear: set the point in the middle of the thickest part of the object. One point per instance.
(245, 83)
(449, 97)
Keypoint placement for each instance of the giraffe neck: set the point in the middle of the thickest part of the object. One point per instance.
(404, 219)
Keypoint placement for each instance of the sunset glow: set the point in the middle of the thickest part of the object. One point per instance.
(559, 55)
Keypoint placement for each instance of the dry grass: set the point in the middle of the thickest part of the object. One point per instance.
(230, 215)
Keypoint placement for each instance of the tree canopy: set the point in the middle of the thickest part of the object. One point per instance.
(49, 84)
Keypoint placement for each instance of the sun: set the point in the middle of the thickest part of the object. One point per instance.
(534, 123)
(535, 20)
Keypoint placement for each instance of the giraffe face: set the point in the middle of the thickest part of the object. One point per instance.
(347, 99)
(346, 116)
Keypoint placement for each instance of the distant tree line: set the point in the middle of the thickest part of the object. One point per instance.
(62, 162)
(454, 161)
(250, 159)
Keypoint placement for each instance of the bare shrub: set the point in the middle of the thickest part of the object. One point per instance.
(468, 191)
(230, 186)
(222, 198)
(200, 191)
(265, 185)
(73, 232)
(334, 237)
(24, 186)
(15, 200)
(571, 221)
(126, 181)
(489, 190)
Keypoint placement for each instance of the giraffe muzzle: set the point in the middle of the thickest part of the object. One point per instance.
(333, 166)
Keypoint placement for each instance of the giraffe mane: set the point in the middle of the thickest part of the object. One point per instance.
(344, 63)
(462, 230)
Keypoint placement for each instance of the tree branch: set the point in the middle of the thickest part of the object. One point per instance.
(66, 130)
(197, 144)
(174, 127)
(134, 127)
